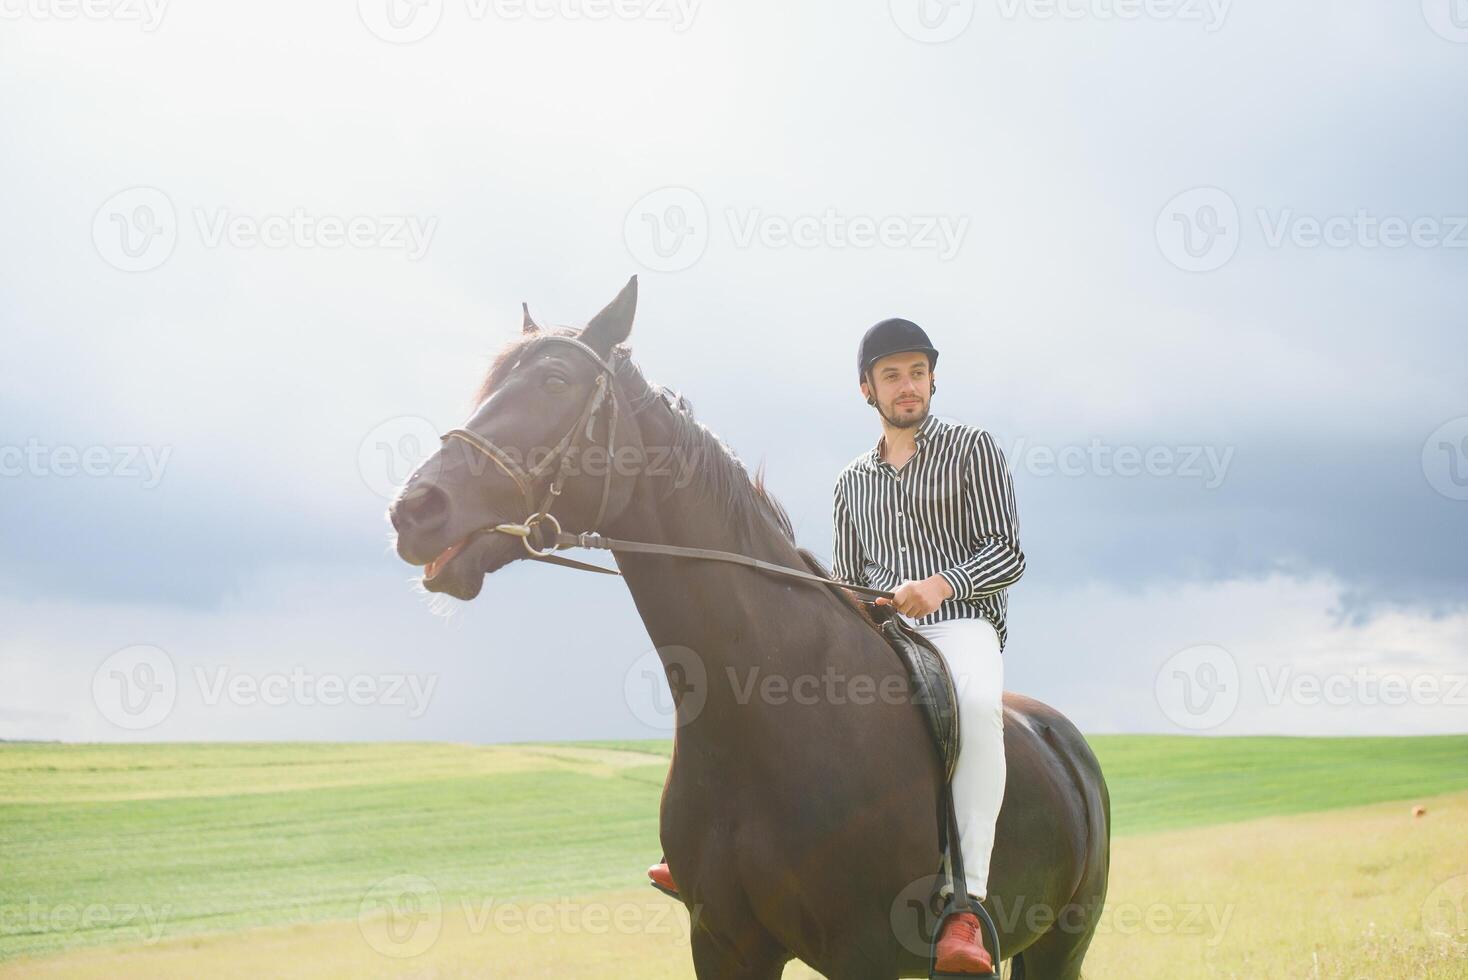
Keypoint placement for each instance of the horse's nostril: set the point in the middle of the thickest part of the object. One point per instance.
(420, 509)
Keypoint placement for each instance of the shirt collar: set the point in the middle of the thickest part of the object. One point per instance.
(925, 431)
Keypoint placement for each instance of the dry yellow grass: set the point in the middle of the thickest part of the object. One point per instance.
(1366, 892)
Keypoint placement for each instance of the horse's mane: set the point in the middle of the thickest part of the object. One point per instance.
(717, 471)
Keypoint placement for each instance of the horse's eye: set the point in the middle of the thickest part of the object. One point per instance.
(556, 383)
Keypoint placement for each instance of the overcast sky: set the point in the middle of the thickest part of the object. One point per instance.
(1200, 268)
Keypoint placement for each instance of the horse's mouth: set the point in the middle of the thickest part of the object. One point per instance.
(431, 570)
(460, 568)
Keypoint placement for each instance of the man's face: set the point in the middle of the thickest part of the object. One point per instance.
(902, 386)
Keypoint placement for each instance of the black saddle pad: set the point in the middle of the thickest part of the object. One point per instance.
(932, 684)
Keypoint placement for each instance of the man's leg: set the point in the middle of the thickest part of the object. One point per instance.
(971, 648)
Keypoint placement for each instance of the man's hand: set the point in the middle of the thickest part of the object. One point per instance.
(917, 599)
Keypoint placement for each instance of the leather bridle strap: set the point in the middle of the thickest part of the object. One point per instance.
(591, 539)
(560, 454)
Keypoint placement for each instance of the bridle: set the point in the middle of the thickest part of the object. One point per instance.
(604, 392)
(559, 455)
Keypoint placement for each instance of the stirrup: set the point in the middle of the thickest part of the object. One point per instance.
(986, 930)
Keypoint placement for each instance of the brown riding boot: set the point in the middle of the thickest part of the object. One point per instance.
(662, 880)
(961, 951)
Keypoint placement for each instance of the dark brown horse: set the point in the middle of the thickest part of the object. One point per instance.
(796, 826)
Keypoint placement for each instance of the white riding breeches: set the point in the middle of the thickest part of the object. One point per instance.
(971, 649)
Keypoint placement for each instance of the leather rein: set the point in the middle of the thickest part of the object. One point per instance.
(559, 540)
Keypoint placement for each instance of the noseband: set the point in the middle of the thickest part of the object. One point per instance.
(526, 479)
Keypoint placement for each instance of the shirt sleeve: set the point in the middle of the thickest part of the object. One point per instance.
(988, 496)
(847, 562)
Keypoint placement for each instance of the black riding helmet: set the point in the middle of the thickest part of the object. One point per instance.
(892, 337)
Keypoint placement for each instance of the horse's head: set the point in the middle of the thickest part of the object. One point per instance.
(538, 440)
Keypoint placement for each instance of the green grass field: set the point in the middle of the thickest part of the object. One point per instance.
(147, 846)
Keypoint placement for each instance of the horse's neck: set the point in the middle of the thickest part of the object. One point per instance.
(710, 599)
(735, 622)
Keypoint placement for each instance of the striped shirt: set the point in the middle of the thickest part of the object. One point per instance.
(948, 511)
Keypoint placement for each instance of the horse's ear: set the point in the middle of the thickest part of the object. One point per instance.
(611, 326)
(529, 326)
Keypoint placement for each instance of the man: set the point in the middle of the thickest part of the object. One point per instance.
(928, 515)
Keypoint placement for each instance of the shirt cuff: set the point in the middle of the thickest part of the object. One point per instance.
(959, 581)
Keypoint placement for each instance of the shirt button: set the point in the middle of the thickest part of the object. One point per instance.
(899, 513)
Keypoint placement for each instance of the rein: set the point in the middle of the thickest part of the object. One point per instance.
(560, 540)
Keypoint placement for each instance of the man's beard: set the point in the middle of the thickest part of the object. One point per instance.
(897, 422)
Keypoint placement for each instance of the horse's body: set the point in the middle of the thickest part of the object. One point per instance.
(844, 795)
(799, 816)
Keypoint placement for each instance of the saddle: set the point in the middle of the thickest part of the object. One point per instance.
(932, 684)
(932, 688)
